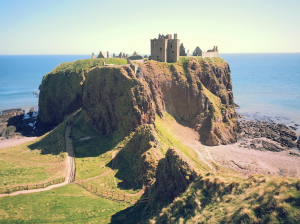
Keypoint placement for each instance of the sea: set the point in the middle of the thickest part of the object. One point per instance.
(265, 86)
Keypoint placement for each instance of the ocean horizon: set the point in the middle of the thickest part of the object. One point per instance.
(265, 85)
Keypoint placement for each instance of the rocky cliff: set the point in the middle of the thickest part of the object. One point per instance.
(195, 90)
(61, 91)
(121, 98)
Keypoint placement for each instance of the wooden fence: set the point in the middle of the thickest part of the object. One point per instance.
(110, 194)
(9, 190)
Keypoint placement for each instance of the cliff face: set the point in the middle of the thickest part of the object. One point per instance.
(173, 175)
(61, 91)
(195, 90)
(115, 100)
(60, 94)
(137, 160)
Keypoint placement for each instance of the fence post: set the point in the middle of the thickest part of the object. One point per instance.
(36, 187)
(27, 188)
(124, 198)
(19, 187)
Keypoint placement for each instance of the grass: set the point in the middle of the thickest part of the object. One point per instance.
(92, 156)
(168, 139)
(21, 165)
(34, 162)
(110, 183)
(85, 64)
(68, 204)
(258, 199)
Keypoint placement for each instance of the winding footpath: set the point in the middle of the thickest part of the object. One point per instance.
(70, 168)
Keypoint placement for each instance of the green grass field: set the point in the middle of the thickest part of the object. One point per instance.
(21, 165)
(68, 204)
(110, 183)
(37, 161)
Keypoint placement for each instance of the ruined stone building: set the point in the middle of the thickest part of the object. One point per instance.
(165, 49)
(210, 53)
(135, 56)
(93, 55)
(182, 51)
(104, 54)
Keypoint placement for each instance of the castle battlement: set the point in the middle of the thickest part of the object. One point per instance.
(165, 49)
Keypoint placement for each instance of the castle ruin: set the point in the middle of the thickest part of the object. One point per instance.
(104, 54)
(210, 53)
(165, 49)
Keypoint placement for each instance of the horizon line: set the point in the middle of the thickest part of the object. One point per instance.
(146, 54)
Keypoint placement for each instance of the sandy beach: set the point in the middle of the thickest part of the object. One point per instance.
(246, 161)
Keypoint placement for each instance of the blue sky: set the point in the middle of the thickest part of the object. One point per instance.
(83, 27)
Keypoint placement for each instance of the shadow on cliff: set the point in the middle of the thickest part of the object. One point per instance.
(173, 177)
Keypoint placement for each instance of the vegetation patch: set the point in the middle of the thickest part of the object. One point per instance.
(169, 139)
(71, 204)
(85, 64)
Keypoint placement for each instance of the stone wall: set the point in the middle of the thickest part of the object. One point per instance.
(165, 49)
(159, 50)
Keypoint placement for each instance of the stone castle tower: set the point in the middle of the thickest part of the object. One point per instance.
(165, 49)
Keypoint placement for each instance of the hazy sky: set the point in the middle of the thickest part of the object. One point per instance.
(83, 27)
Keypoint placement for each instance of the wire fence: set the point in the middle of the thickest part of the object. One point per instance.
(111, 195)
(9, 190)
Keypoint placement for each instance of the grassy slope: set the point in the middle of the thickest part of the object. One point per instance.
(94, 155)
(110, 183)
(68, 204)
(258, 199)
(85, 64)
(21, 165)
(169, 139)
(34, 162)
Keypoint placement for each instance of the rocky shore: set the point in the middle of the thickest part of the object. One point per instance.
(17, 123)
(263, 135)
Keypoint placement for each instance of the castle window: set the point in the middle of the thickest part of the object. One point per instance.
(171, 45)
(172, 52)
(157, 56)
(160, 48)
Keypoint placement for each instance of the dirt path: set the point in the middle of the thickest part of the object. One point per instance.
(136, 194)
(15, 141)
(69, 164)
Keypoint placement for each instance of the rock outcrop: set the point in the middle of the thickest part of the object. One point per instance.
(138, 159)
(196, 90)
(173, 175)
(279, 133)
(115, 100)
(61, 91)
